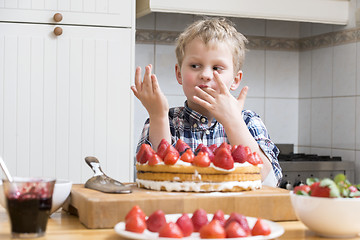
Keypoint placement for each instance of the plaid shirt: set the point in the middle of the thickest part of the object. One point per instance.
(192, 128)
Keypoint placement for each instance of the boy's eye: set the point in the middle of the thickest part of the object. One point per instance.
(194, 66)
(216, 68)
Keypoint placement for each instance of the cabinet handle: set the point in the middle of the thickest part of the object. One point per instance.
(58, 31)
(58, 17)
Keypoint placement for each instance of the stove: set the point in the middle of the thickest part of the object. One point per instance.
(297, 167)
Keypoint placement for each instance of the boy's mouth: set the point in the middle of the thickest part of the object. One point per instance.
(203, 86)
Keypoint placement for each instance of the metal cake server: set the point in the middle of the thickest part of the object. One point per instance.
(101, 182)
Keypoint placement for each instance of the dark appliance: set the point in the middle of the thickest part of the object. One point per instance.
(297, 167)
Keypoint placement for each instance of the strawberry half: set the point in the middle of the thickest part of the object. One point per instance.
(161, 150)
(260, 228)
(223, 145)
(156, 221)
(172, 155)
(234, 230)
(240, 153)
(254, 158)
(144, 154)
(171, 158)
(203, 148)
(135, 210)
(181, 146)
(318, 191)
(135, 223)
(201, 160)
(185, 224)
(213, 147)
(220, 216)
(187, 156)
(213, 230)
(199, 219)
(325, 188)
(155, 159)
(223, 159)
(198, 148)
(241, 219)
(170, 230)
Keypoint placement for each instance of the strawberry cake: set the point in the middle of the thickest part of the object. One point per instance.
(209, 169)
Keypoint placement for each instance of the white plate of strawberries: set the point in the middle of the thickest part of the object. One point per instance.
(198, 225)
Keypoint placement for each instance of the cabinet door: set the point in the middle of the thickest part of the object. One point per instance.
(119, 13)
(64, 98)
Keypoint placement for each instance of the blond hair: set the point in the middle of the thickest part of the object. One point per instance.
(213, 30)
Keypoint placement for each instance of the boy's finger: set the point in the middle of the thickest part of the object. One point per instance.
(243, 93)
(133, 88)
(210, 91)
(202, 94)
(147, 78)
(202, 102)
(222, 86)
(137, 78)
(155, 84)
(150, 69)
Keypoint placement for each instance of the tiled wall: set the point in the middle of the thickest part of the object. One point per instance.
(272, 75)
(329, 116)
(303, 79)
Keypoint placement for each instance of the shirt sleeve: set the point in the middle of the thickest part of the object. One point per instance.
(144, 138)
(259, 132)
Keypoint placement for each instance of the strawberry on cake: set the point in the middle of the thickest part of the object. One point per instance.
(225, 168)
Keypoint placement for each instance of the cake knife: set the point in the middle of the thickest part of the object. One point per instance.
(101, 182)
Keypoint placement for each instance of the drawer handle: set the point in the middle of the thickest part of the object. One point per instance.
(58, 17)
(58, 31)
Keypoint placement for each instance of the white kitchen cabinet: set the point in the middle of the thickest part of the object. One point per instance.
(66, 97)
(88, 12)
(317, 11)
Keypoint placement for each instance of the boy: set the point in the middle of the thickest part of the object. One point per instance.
(210, 54)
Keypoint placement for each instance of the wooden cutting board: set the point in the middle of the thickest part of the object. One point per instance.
(102, 210)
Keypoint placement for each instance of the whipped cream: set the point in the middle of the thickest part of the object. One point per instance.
(182, 163)
(196, 187)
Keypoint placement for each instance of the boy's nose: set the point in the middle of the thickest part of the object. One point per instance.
(207, 74)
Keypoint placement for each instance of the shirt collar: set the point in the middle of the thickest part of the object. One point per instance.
(193, 117)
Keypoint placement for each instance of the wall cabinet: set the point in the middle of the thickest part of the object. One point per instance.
(317, 11)
(66, 97)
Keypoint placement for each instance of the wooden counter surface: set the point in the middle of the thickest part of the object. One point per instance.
(62, 226)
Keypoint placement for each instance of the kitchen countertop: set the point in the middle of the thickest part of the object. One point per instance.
(62, 226)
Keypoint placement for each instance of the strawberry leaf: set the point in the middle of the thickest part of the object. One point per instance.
(334, 190)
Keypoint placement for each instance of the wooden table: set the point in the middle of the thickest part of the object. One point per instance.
(63, 226)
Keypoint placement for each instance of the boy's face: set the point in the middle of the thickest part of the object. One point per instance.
(198, 66)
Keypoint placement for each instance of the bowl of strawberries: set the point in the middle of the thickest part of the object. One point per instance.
(328, 207)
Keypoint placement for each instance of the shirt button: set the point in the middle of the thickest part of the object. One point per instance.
(203, 120)
(207, 132)
(195, 125)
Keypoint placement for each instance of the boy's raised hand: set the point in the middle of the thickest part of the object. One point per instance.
(150, 94)
(222, 105)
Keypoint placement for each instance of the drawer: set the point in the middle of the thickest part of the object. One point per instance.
(117, 13)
